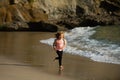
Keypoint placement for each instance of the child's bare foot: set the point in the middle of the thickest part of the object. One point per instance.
(61, 67)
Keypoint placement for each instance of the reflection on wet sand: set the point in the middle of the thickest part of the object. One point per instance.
(25, 48)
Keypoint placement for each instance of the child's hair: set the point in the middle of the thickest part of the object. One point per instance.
(59, 34)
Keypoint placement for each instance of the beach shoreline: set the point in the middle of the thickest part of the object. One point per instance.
(40, 65)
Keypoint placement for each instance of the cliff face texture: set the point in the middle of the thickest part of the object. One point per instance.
(100, 12)
(37, 14)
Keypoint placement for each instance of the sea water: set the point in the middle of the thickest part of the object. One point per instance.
(80, 43)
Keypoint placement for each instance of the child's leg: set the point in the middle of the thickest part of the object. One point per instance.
(60, 53)
(60, 58)
(57, 58)
(60, 61)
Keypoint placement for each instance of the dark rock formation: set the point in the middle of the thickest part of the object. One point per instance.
(99, 12)
(15, 14)
(41, 26)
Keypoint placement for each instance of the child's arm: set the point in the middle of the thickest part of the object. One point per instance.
(65, 44)
(54, 44)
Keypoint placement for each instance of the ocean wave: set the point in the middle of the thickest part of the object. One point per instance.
(79, 43)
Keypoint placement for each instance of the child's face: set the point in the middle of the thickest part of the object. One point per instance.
(61, 36)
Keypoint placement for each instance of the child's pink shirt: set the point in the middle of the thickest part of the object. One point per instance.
(59, 44)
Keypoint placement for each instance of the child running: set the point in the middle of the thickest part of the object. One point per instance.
(59, 45)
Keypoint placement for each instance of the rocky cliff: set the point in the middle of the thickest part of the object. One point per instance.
(37, 14)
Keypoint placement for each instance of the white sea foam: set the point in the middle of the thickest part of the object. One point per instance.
(78, 43)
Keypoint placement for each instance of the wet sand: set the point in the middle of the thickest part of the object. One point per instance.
(12, 70)
(40, 64)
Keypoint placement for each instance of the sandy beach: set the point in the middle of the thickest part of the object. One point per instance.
(40, 65)
(11, 70)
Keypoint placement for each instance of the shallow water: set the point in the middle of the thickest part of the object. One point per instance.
(97, 43)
